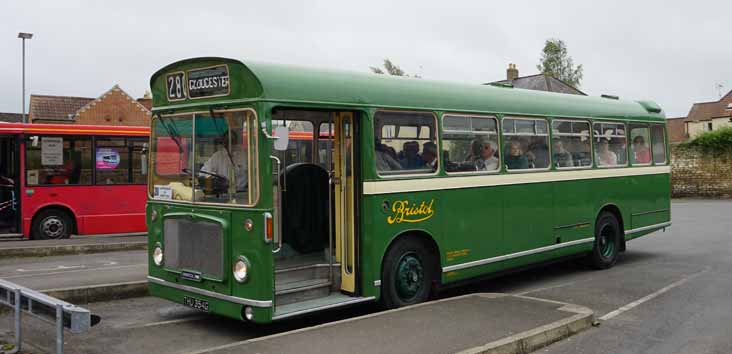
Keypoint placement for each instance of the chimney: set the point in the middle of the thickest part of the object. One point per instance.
(511, 72)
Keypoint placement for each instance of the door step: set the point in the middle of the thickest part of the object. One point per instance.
(299, 291)
(327, 302)
(10, 237)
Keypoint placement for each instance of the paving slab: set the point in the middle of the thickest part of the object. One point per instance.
(475, 323)
(74, 245)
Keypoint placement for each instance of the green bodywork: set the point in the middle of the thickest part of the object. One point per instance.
(466, 225)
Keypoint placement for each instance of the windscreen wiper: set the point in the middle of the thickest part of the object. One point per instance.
(228, 149)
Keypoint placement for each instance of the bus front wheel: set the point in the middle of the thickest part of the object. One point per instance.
(607, 242)
(51, 224)
(407, 274)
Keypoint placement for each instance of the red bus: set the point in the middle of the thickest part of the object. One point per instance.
(60, 179)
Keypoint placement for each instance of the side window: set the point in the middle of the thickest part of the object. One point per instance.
(640, 150)
(610, 144)
(58, 160)
(112, 163)
(470, 143)
(525, 143)
(138, 150)
(658, 144)
(405, 143)
(571, 144)
(300, 147)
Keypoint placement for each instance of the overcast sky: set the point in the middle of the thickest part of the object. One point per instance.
(673, 54)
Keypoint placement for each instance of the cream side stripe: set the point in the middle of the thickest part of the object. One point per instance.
(430, 184)
(485, 261)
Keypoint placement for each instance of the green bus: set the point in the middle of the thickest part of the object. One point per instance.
(277, 191)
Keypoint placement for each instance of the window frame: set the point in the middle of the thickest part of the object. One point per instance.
(548, 136)
(92, 159)
(630, 143)
(625, 127)
(589, 133)
(253, 158)
(407, 174)
(498, 138)
(665, 145)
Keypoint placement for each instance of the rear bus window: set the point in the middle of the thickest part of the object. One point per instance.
(658, 144)
(405, 143)
(571, 146)
(610, 144)
(525, 143)
(640, 148)
(470, 143)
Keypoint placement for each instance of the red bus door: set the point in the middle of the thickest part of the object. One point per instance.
(9, 186)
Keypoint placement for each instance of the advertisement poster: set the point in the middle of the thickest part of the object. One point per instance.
(52, 151)
(107, 158)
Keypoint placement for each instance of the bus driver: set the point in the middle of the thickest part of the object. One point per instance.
(220, 163)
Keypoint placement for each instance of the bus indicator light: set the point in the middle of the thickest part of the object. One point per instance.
(268, 227)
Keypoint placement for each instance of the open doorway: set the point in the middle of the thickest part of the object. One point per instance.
(9, 186)
(317, 179)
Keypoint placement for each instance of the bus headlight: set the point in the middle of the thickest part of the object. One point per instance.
(241, 269)
(158, 255)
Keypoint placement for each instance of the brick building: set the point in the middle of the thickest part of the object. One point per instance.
(114, 107)
(708, 116)
(11, 117)
(676, 129)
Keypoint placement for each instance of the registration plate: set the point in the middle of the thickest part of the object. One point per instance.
(197, 304)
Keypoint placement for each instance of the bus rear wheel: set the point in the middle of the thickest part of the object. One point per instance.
(607, 242)
(407, 274)
(51, 224)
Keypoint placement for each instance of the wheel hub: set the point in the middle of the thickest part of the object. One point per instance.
(53, 227)
(410, 275)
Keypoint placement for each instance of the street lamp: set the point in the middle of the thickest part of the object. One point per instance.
(24, 36)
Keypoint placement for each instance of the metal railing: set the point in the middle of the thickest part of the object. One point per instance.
(48, 309)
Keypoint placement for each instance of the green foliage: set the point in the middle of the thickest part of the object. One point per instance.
(714, 142)
(555, 61)
(391, 69)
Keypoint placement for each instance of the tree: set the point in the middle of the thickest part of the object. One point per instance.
(391, 69)
(556, 62)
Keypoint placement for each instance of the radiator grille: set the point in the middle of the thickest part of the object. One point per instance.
(195, 246)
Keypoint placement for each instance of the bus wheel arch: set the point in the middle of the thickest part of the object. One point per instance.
(411, 257)
(53, 216)
(613, 209)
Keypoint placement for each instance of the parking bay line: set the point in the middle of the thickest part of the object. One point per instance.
(651, 296)
(169, 322)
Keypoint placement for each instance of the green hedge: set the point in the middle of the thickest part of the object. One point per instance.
(714, 142)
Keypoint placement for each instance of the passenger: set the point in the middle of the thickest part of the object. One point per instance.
(411, 159)
(605, 157)
(562, 157)
(538, 154)
(515, 159)
(641, 152)
(486, 157)
(429, 155)
(384, 160)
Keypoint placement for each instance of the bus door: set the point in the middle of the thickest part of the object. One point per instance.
(9, 185)
(344, 181)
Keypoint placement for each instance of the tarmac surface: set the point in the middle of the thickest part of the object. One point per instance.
(669, 293)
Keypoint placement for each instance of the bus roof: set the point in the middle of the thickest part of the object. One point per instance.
(309, 86)
(72, 129)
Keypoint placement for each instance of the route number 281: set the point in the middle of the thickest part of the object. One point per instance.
(176, 90)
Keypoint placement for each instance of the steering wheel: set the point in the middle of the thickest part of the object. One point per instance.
(214, 175)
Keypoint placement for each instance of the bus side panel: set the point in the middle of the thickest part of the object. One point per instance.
(96, 209)
(574, 213)
(527, 216)
(115, 209)
(651, 203)
(612, 191)
(473, 226)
